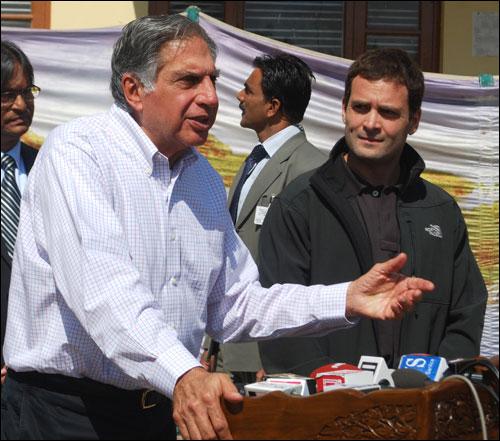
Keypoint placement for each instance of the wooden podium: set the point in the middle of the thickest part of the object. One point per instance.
(444, 410)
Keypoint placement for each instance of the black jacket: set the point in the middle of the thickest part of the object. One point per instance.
(311, 235)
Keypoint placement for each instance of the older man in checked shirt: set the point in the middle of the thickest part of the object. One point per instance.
(126, 253)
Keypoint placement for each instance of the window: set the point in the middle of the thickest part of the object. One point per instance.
(342, 28)
(25, 14)
(409, 25)
(309, 24)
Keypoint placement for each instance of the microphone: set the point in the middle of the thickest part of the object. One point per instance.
(432, 366)
(410, 378)
(378, 367)
(338, 375)
(399, 378)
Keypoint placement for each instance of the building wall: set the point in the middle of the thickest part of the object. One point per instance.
(87, 14)
(457, 37)
(456, 27)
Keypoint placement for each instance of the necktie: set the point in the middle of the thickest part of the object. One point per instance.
(257, 155)
(11, 201)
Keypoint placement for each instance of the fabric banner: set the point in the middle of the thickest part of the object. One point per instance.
(457, 137)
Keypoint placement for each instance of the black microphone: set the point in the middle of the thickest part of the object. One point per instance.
(410, 378)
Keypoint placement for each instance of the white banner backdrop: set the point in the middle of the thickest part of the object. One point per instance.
(458, 134)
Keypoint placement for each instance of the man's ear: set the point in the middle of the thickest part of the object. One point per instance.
(133, 90)
(414, 121)
(344, 104)
(274, 106)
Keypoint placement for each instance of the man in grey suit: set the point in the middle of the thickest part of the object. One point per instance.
(273, 102)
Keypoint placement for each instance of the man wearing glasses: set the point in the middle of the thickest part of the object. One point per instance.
(18, 93)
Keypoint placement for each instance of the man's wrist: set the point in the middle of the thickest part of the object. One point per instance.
(350, 310)
(190, 371)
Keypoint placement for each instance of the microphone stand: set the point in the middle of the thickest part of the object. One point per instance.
(213, 353)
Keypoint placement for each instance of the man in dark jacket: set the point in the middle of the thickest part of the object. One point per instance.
(366, 204)
(18, 93)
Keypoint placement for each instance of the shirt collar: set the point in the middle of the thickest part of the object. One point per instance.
(412, 165)
(273, 143)
(147, 148)
(357, 185)
(15, 153)
(353, 184)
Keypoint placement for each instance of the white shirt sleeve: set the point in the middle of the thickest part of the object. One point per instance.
(240, 309)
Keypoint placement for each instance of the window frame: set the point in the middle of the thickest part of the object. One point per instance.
(39, 17)
(356, 28)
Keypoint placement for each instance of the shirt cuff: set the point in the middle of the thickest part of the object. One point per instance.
(333, 301)
(170, 366)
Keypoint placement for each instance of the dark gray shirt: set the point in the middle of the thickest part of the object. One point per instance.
(376, 209)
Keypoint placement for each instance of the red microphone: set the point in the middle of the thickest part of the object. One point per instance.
(339, 375)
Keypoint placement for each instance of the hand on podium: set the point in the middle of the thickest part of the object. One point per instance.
(383, 293)
(197, 410)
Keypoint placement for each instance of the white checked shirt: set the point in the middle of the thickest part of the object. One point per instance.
(121, 263)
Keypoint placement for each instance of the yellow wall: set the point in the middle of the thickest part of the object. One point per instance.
(457, 37)
(86, 14)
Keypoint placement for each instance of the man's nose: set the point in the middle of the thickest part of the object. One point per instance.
(372, 121)
(19, 102)
(208, 93)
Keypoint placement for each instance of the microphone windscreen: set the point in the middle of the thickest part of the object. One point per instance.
(409, 378)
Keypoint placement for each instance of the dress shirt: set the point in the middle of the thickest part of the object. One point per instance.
(271, 145)
(20, 172)
(122, 262)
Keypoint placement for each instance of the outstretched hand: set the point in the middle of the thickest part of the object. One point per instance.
(383, 293)
(197, 410)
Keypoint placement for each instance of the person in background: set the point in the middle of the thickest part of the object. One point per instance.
(18, 94)
(126, 254)
(367, 204)
(273, 102)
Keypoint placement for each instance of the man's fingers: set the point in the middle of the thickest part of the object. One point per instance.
(219, 423)
(421, 284)
(193, 430)
(197, 404)
(183, 429)
(195, 422)
(409, 298)
(229, 391)
(203, 425)
(394, 265)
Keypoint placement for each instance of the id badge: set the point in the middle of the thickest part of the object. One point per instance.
(261, 209)
(260, 214)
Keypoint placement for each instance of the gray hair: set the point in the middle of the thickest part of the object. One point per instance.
(137, 50)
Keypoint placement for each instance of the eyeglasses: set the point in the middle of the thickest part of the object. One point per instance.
(28, 94)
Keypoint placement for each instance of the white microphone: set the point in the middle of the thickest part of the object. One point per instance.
(378, 367)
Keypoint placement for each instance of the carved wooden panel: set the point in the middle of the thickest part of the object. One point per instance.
(440, 411)
(379, 422)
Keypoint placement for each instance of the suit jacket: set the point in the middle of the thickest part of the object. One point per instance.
(28, 155)
(294, 157)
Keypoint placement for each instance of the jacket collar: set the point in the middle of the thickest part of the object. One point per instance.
(412, 165)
